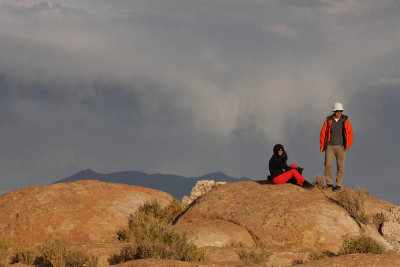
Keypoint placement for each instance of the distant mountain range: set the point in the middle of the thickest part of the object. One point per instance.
(177, 186)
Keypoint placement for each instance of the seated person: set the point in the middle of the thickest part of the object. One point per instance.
(282, 173)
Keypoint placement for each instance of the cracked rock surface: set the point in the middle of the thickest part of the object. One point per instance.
(287, 219)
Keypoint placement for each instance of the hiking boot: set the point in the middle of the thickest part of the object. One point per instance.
(327, 186)
(336, 188)
(307, 185)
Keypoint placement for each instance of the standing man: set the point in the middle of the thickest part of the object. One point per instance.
(335, 138)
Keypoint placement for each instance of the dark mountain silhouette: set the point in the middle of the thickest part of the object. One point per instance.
(177, 186)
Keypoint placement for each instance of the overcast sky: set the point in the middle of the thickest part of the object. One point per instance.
(190, 87)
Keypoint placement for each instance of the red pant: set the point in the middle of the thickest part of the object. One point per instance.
(286, 176)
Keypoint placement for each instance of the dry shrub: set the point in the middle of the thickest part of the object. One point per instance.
(75, 258)
(319, 181)
(150, 238)
(56, 254)
(297, 262)
(5, 253)
(126, 254)
(254, 256)
(353, 202)
(26, 255)
(148, 216)
(235, 244)
(50, 254)
(320, 255)
(173, 210)
(317, 256)
(364, 244)
(92, 261)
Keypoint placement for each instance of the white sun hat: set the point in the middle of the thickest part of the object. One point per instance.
(337, 106)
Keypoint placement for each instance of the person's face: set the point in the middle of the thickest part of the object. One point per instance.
(280, 152)
(338, 113)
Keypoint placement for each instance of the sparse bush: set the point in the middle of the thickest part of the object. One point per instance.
(297, 262)
(5, 253)
(321, 255)
(254, 256)
(319, 181)
(153, 209)
(235, 244)
(317, 256)
(150, 238)
(364, 244)
(353, 202)
(26, 255)
(54, 253)
(75, 258)
(93, 261)
(173, 210)
(50, 254)
(126, 254)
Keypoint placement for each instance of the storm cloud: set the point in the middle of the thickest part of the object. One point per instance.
(190, 87)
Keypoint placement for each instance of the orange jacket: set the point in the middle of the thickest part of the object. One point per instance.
(325, 135)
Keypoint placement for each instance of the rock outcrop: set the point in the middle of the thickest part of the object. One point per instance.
(200, 189)
(289, 222)
(287, 219)
(391, 227)
(79, 212)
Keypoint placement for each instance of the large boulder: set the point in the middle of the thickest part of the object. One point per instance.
(82, 211)
(284, 218)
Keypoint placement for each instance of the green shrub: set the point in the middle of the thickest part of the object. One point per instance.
(353, 202)
(150, 238)
(364, 244)
(5, 253)
(255, 256)
(26, 255)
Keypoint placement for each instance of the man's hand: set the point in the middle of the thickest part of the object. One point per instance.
(322, 151)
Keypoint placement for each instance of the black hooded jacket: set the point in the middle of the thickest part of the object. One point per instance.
(277, 164)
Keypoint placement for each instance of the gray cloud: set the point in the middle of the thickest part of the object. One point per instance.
(190, 87)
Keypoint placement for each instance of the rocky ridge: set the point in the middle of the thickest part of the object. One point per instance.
(291, 223)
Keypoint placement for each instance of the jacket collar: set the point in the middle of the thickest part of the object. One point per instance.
(343, 117)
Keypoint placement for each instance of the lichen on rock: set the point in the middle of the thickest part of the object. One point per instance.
(200, 189)
(391, 227)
